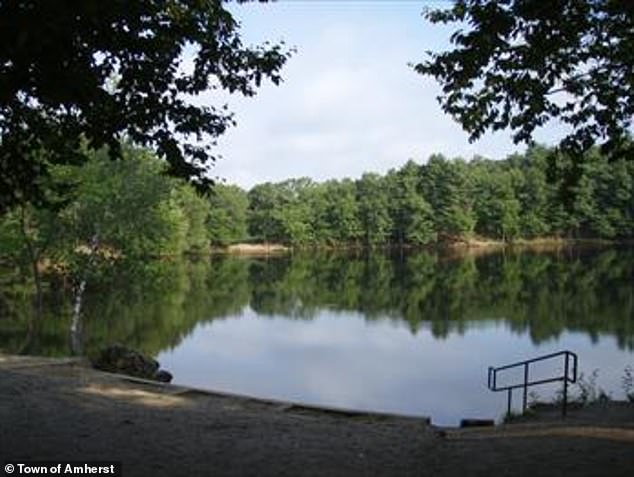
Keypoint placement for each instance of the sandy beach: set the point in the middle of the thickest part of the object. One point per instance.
(57, 409)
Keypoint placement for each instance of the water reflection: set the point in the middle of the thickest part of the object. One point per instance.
(342, 360)
(154, 305)
(362, 330)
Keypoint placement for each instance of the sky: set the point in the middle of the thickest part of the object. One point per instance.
(349, 103)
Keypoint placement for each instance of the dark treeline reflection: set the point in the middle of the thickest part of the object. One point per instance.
(152, 307)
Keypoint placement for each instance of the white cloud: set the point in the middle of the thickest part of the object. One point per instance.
(348, 104)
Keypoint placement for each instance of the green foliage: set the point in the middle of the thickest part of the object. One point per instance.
(446, 186)
(264, 221)
(335, 216)
(28, 236)
(374, 215)
(589, 391)
(128, 206)
(447, 200)
(295, 217)
(412, 216)
(497, 207)
(534, 193)
(195, 213)
(132, 209)
(111, 210)
(227, 220)
(101, 71)
(627, 383)
(518, 64)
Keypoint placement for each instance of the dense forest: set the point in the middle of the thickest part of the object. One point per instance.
(131, 208)
(448, 200)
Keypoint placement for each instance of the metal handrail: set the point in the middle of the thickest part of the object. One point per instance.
(566, 378)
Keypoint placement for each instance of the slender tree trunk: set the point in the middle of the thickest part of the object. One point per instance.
(75, 324)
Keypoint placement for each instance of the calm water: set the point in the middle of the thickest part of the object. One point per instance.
(410, 334)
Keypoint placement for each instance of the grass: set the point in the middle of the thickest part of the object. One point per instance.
(588, 393)
(627, 383)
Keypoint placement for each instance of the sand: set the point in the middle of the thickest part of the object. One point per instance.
(63, 410)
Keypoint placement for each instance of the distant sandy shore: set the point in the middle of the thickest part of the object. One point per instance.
(62, 410)
(255, 249)
(473, 245)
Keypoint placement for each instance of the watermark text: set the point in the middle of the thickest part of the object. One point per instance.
(63, 468)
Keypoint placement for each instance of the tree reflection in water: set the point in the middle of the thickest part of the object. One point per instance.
(153, 306)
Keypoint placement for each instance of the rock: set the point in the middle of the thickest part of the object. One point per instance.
(163, 376)
(477, 423)
(119, 359)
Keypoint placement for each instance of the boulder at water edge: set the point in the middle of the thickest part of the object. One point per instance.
(119, 359)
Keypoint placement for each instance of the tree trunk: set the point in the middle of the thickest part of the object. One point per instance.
(75, 324)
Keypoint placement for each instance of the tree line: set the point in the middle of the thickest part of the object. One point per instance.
(131, 208)
(447, 200)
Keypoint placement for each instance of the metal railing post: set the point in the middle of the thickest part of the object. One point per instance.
(525, 387)
(508, 408)
(566, 378)
(565, 403)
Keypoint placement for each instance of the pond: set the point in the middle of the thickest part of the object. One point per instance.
(410, 333)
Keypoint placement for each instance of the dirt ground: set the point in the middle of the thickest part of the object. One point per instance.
(62, 410)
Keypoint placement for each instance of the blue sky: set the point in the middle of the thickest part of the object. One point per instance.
(349, 102)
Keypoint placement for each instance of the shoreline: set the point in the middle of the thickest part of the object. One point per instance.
(470, 244)
(59, 409)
